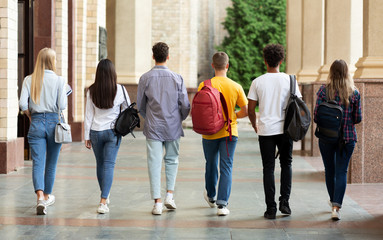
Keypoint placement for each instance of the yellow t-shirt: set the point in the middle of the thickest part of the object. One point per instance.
(234, 95)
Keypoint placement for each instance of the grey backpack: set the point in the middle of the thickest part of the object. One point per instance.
(297, 115)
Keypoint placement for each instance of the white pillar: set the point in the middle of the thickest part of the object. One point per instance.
(313, 36)
(293, 36)
(343, 34)
(133, 39)
(371, 64)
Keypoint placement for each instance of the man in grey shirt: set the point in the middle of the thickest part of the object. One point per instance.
(163, 101)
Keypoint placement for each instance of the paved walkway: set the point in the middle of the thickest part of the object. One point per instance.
(74, 216)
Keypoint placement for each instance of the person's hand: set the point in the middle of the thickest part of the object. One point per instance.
(255, 127)
(28, 113)
(88, 144)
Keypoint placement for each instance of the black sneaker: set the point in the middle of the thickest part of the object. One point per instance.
(284, 207)
(270, 213)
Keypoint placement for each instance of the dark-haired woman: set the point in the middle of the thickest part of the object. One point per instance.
(104, 100)
(340, 87)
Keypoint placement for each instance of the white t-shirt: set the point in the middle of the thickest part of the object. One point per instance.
(100, 119)
(272, 92)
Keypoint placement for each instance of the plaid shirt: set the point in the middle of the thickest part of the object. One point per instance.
(351, 115)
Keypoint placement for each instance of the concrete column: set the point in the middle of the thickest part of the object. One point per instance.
(371, 64)
(343, 34)
(132, 38)
(312, 39)
(11, 147)
(294, 36)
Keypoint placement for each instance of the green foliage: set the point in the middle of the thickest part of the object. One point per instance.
(251, 25)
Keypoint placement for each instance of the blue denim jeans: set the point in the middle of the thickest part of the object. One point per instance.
(155, 153)
(336, 165)
(44, 150)
(267, 145)
(211, 149)
(105, 145)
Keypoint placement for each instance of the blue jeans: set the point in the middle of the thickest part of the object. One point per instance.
(267, 145)
(211, 149)
(336, 165)
(154, 150)
(105, 148)
(44, 150)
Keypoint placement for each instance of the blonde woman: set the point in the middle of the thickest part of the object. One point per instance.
(42, 96)
(340, 87)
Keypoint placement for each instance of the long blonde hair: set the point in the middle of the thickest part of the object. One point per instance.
(46, 60)
(339, 80)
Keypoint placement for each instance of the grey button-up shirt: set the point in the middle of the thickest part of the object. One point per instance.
(163, 101)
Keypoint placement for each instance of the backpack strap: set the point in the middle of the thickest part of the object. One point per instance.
(122, 87)
(292, 84)
(225, 108)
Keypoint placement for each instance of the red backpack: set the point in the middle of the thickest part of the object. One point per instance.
(206, 111)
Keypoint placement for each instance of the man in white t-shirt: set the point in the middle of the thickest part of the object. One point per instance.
(271, 92)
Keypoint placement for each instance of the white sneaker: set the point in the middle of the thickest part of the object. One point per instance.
(211, 203)
(157, 209)
(41, 208)
(169, 203)
(108, 199)
(335, 215)
(51, 199)
(102, 208)
(223, 211)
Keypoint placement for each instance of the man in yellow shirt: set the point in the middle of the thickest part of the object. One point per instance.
(219, 144)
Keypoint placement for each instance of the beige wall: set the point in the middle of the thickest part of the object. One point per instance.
(8, 70)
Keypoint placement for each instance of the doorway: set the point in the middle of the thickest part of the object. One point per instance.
(25, 62)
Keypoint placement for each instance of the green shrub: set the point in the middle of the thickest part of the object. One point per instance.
(251, 25)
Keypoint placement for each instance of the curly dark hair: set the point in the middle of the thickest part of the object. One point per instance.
(273, 54)
(160, 52)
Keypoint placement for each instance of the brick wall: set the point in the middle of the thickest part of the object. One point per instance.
(80, 59)
(175, 23)
(211, 15)
(61, 40)
(8, 70)
(96, 16)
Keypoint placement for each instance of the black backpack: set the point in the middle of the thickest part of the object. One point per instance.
(297, 115)
(329, 120)
(127, 120)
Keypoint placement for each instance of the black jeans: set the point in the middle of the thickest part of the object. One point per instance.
(267, 146)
